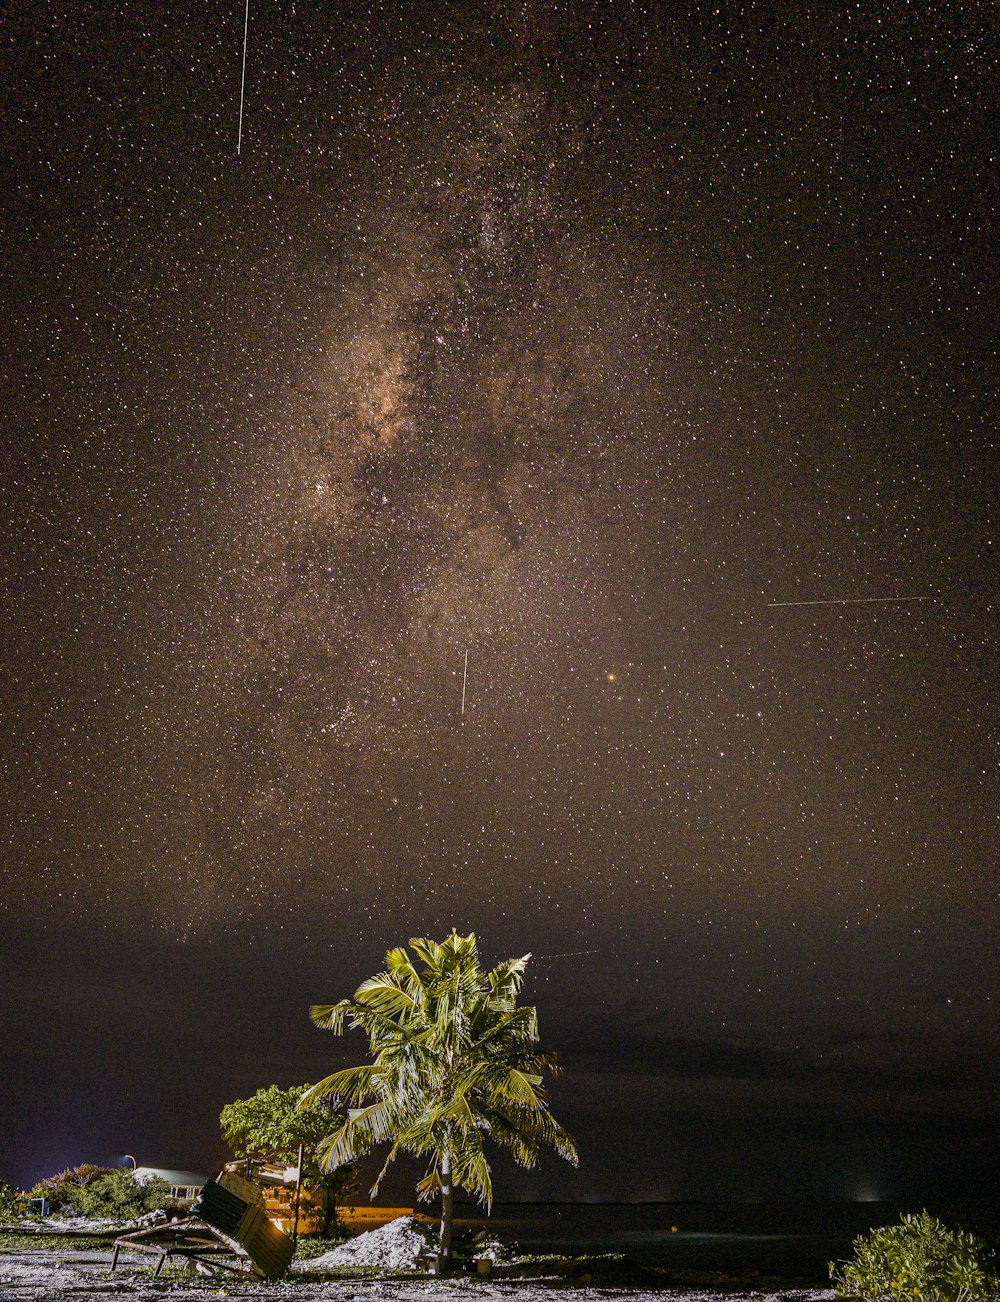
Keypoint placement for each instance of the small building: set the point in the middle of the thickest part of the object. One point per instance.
(185, 1186)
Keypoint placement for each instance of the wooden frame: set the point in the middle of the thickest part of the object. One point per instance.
(191, 1239)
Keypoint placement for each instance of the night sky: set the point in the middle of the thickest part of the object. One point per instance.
(583, 338)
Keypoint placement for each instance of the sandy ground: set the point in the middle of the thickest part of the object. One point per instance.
(62, 1277)
(47, 1274)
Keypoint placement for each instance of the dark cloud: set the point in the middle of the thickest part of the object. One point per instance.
(873, 1062)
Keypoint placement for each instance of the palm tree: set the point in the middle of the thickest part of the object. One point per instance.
(454, 1062)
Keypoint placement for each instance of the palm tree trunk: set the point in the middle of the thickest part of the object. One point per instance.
(447, 1207)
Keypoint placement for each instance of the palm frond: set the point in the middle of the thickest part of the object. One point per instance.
(501, 1081)
(506, 978)
(330, 1016)
(352, 1084)
(471, 1169)
(389, 1001)
(512, 1136)
(429, 1185)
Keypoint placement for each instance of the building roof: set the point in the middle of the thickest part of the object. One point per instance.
(173, 1178)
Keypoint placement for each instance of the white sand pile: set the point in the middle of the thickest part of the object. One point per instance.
(393, 1246)
(397, 1245)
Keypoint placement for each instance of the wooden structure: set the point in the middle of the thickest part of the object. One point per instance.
(289, 1206)
(224, 1232)
(190, 1240)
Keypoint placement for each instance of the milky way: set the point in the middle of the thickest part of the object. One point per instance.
(585, 343)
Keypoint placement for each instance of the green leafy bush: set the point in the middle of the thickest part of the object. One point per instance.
(120, 1196)
(62, 1189)
(919, 1260)
(13, 1205)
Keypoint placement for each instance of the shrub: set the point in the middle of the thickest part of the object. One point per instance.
(120, 1196)
(919, 1260)
(13, 1205)
(61, 1190)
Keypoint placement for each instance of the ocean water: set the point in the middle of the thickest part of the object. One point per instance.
(794, 1242)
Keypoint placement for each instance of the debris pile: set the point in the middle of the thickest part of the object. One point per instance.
(156, 1217)
(399, 1245)
(66, 1222)
(393, 1246)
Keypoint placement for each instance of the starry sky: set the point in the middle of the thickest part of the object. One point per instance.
(590, 341)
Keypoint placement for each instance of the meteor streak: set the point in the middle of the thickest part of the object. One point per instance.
(243, 75)
(842, 601)
(573, 953)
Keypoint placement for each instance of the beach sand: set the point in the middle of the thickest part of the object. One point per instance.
(50, 1277)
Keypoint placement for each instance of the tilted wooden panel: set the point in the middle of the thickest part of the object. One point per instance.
(219, 1207)
(268, 1248)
